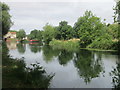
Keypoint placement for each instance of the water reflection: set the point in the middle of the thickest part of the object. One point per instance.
(17, 75)
(49, 53)
(64, 57)
(12, 45)
(115, 73)
(21, 47)
(88, 65)
(35, 48)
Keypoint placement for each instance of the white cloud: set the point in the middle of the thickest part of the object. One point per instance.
(57, 0)
(35, 15)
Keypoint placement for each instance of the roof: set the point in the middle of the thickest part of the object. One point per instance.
(13, 32)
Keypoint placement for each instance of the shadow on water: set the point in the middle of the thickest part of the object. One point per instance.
(15, 74)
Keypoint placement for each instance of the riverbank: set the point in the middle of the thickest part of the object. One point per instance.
(99, 50)
(16, 74)
(73, 44)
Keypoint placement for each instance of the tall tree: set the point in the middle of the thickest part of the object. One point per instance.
(88, 28)
(117, 11)
(65, 31)
(49, 33)
(5, 18)
(21, 34)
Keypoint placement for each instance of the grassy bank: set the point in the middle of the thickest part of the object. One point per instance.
(72, 44)
(99, 49)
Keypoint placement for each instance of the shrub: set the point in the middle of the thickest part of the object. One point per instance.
(103, 42)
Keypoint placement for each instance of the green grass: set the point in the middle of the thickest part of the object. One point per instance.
(98, 49)
(69, 45)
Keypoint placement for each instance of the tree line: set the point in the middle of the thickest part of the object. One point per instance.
(92, 32)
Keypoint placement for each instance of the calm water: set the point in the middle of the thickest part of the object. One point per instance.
(72, 69)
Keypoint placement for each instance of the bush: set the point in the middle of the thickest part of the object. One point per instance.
(103, 42)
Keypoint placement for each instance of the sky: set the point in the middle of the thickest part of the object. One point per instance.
(34, 14)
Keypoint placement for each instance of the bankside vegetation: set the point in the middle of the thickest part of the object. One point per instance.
(5, 19)
(91, 31)
(15, 73)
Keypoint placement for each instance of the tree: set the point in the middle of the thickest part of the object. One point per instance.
(21, 34)
(88, 28)
(5, 18)
(36, 35)
(117, 12)
(113, 31)
(65, 31)
(33, 34)
(49, 33)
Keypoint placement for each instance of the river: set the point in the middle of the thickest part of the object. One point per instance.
(72, 69)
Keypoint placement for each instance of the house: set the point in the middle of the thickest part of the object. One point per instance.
(10, 35)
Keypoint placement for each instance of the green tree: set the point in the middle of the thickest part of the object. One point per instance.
(113, 30)
(103, 42)
(21, 34)
(33, 34)
(117, 12)
(88, 28)
(49, 33)
(5, 18)
(65, 31)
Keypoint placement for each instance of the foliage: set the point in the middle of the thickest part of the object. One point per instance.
(65, 31)
(21, 34)
(113, 31)
(12, 31)
(88, 28)
(17, 75)
(5, 18)
(35, 35)
(117, 12)
(71, 45)
(49, 33)
(102, 42)
(115, 73)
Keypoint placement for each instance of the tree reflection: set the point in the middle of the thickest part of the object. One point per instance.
(88, 66)
(65, 57)
(35, 48)
(17, 75)
(115, 73)
(49, 53)
(21, 48)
